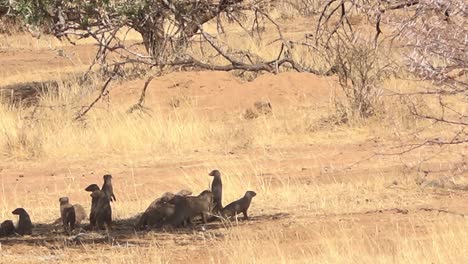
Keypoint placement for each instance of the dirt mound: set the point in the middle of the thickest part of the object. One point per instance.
(222, 92)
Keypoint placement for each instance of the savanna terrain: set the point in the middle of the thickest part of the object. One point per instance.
(329, 190)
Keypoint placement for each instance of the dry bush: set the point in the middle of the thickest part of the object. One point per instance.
(361, 71)
(293, 8)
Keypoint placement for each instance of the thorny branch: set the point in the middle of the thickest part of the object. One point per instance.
(168, 29)
(103, 91)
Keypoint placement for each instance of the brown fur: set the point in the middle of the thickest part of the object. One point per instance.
(159, 210)
(80, 213)
(103, 210)
(239, 206)
(67, 214)
(7, 228)
(107, 187)
(92, 215)
(187, 207)
(217, 190)
(24, 222)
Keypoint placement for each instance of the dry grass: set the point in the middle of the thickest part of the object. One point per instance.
(315, 203)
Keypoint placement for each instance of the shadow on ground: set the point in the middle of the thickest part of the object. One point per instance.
(123, 233)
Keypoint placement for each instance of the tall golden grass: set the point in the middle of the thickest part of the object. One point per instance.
(313, 194)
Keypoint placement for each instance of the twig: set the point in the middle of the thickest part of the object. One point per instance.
(102, 92)
(139, 105)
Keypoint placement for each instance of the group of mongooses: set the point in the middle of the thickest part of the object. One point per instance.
(234, 208)
(100, 216)
(175, 210)
(170, 210)
(24, 226)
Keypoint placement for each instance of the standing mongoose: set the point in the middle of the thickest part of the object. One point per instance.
(103, 210)
(67, 214)
(239, 206)
(7, 228)
(187, 207)
(92, 215)
(107, 187)
(217, 190)
(24, 222)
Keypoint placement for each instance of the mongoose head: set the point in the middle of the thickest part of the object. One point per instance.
(107, 177)
(63, 200)
(19, 211)
(92, 188)
(250, 194)
(215, 173)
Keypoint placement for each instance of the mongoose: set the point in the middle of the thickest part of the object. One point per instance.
(239, 206)
(103, 210)
(187, 207)
(217, 190)
(7, 228)
(159, 210)
(156, 216)
(92, 214)
(107, 187)
(67, 213)
(80, 213)
(24, 222)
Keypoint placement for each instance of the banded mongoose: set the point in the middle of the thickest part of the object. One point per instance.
(92, 215)
(107, 187)
(217, 190)
(24, 226)
(239, 206)
(67, 214)
(159, 210)
(80, 213)
(7, 228)
(187, 207)
(103, 211)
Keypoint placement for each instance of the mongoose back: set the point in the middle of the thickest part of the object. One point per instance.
(80, 213)
(67, 213)
(168, 196)
(107, 187)
(92, 214)
(7, 228)
(217, 190)
(160, 210)
(155, 217)
(24, 222)
(103, 215)
(239, 206)
(186, 207)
